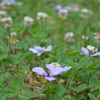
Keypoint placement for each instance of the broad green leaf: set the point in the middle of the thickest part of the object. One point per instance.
(79, 97)
(68, 97)
(2, 68)
(85, 76)
(9, 92)
(60, 90)
(16, 84)
(1, 82)
(54, 97)
(83, 61)
(2, 97)
(25, 69)
(91, 96)
(26, 94)
(82, 87)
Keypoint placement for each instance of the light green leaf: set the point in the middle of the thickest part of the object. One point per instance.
(25, 95)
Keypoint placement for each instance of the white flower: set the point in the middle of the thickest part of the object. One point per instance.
(28, 21)
(92, 48)
(3, 14)
(13, 34)
(12, 39)
(84, 37)
(63, 13)
(97, 36)
(41, 16)
(55, 64)
(85, 13)
(69, 34)
(7, 22)
(84, 10)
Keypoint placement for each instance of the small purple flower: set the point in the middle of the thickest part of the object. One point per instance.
(71, 9)
(86, 52)
(57, 7)
(39, 50)
(53, 71)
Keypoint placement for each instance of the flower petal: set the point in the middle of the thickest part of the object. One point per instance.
(39, 71)
(85, 51)
(50, 67)
(66, 68)
(49, 48)
(39, 48)
(33, 50)
(96, 54)
(50, 78)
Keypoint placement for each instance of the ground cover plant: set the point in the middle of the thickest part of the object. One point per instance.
(49, 50)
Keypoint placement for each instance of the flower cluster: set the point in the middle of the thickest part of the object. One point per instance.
(3, 14)
(12, 39)
(63, 13)
(85, 13)
(7, 22)
(69, 36)
(41, 16)
(28, 21)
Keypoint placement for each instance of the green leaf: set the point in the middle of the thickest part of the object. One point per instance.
(25, 69)
(54, 97)
(83, 61)
(84, 75)
(2, 97)
(26, 94)
(2, 82)
(91, 96)
(94, 83)
(60, 90)
(16, 84)
(19, 58)
(89, 68)
(17, 71)
(81, 87)
(2, 69)
(68, 97)
(9, 92)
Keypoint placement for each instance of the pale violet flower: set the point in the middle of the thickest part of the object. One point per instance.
(53, 71)
(86, 52)
(39, 50)
(57, 7)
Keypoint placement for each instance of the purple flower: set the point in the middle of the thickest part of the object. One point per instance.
(71, 9)
(58, 7)
(11, 2)
(86, 52)
(39, 50)
(53, 71)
